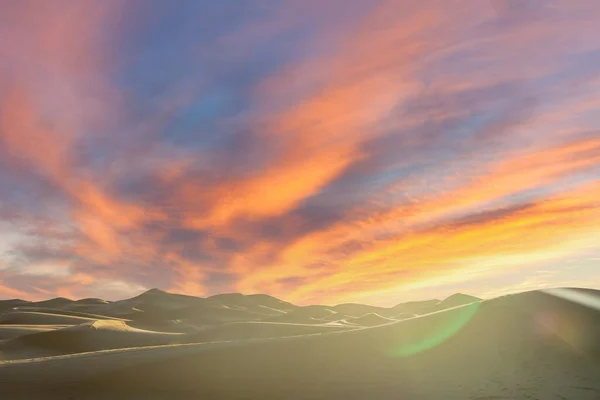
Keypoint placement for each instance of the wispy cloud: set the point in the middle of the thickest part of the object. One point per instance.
(319, 152)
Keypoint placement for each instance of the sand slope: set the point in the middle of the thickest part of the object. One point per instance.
(256, 330)
(13, 331)
(370, 320)
(58, 302)
(358, 310)
(87, 337)
(259, 303)
(526, 346)
(57, 311)
(6, 305)
(41, 318)
(157, 306)
(306, 315)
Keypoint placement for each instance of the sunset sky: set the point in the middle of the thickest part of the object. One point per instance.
(318, 151)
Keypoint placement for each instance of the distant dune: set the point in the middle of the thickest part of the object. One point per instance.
(370, 320)
(52, 303)
(306, 315)
(260, 303)
(335, 317)
(10, 304)
(533, 345)
(358, 310)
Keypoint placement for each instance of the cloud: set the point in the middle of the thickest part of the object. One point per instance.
(431, 241)
(317, 152)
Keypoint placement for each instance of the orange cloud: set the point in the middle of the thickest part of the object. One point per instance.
(558, 223)
(352, 256)
(321, 135)
(8, 292)
(325, 131)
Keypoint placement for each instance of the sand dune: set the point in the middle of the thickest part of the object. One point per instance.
(256, 330)
(156, 299)
(90, 301)
(358, 310)
(531, 345)
(336, 316)
(410, 308)
(115, 310)
(402, 316)
(13, 331)
(85, 304)
(58, 302)
(156, 306)
(41, 318)
(216, 315)
(417, 307)
(457, 299)
(56, 311)
(306, 315)
(259, 303)
(87, 337)
(6, 305)
(370, 320)
(159, 307)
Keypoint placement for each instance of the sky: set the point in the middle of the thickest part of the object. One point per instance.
(318, 151)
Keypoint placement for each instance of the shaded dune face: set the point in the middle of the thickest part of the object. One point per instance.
(530, 345)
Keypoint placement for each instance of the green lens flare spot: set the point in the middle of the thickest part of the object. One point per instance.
(447, 324)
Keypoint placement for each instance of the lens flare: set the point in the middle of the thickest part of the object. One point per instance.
(576, 296)
(450, 323)
(571, 326)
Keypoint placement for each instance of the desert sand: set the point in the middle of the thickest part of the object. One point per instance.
(534, 345)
